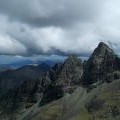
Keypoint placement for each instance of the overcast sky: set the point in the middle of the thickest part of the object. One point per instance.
(38, 27)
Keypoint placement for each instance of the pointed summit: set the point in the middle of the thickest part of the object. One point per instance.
(72, 70)
(102, 62)
(103, 50)
(102, 44)
(73, 59)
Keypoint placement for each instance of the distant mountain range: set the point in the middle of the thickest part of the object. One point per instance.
(21, 63)
(72, 90)
(29, 62)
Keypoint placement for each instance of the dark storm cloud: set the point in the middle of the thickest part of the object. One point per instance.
(58, 26)
(48, 12)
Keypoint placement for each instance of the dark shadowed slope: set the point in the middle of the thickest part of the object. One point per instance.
(14, 78)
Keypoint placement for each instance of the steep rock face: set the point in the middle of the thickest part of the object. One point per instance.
(103, 65)
(67, 74)
(71, 71)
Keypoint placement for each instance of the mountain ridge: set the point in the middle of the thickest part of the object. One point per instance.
(81, 85)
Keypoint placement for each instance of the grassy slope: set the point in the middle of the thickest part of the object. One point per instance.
(102, 103)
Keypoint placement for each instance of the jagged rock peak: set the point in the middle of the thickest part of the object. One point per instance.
(71, 71)
(103, 49)
(72, 59)
(102, 44)
(102, 63)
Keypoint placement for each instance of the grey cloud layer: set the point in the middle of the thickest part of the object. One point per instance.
(58, 27)
(48, 12)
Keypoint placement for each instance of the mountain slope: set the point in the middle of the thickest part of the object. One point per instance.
(18, 88)
(101, 103)
(4, 68)
(64, 92)
(22, 94)
(14, 78)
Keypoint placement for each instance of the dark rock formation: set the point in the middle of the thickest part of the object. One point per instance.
(21, 89)
(61, 79)
(71, 71)
(28, 85)
(67, 74)
(102, 63)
